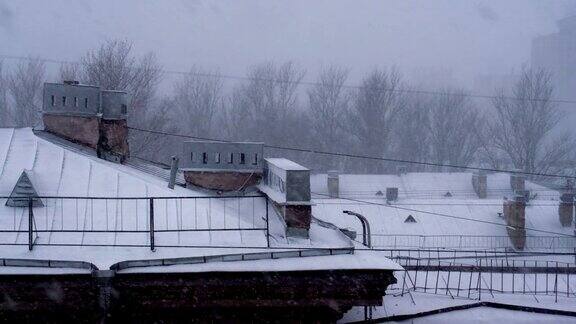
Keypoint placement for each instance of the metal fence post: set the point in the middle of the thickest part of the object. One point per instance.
(267, 226)
(30, 223)
(152, 224)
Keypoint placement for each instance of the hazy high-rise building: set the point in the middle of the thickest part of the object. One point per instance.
(557, 53)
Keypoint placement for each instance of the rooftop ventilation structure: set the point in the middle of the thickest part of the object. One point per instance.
(333, 184)
(391, 194)
(223, 166)
(287, 185)
(88, 115)
(480, 184)
(23, 192)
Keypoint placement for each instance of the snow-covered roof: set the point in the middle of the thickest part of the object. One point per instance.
(428, 192)
(285, 164)
(57, 170)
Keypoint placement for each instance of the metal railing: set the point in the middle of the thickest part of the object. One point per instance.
(133, 221)
(486, 277)
(471, 241)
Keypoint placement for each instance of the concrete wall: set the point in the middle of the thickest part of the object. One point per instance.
(298, 186)
(289, 179)
(206, 155)
(114, 104)
(82, 100)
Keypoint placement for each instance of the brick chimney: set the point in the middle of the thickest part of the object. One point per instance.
(566, 206)
(480, 184)
(89, 116)
(514, 214)
(391, 194)
(333, 184)
(517, 181)
(287, 185)
(221, 166)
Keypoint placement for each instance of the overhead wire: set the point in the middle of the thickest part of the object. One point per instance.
(447, 215)
(303, 82)
(367, 157)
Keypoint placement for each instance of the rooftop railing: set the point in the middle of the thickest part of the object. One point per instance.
(136, 221)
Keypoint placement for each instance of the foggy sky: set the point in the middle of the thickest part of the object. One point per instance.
(464, 38)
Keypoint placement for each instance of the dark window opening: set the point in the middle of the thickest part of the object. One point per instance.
(204, 158)
(52, 100)
(64, 101)
(76, 102)
(231, 158)
(85, 102)
(255, 161)
(192, 156)
(242, 158)
(217, 158)
(124, 109)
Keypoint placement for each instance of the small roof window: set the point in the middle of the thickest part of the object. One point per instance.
(410, 219)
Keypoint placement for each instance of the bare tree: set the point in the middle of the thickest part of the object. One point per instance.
(377, 106)
(328, 104)
(113, 66)
(454, 128)
(198, 96)
(524, 123)
(262, 108)
(70, 72)
(5, 117)
(412, 137)
(25, 92)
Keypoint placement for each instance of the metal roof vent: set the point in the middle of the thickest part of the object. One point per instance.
(410, 219)
(24, 191)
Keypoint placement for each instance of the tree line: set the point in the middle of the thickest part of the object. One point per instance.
(380, 116)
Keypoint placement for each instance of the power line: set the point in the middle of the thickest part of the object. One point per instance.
(366, 157)
(445, 215)
(310, 83)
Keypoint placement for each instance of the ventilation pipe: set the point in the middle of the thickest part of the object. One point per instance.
(333, 184)
(173, 172)
(480, 184)
(566, 206)
(391, 194)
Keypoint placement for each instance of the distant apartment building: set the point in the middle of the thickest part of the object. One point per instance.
(557, 53)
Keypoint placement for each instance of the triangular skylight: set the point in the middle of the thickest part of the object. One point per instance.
(410, 219)
(22, 192)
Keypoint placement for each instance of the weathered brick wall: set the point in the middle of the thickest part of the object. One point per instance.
(49, 299)
(82, 130)
(116, 134)
(514, 213)
(97, 133)
(222, 180)
(298, 218)
(309, 296)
